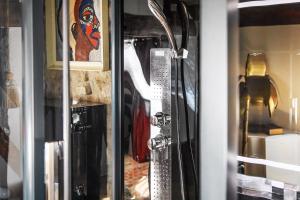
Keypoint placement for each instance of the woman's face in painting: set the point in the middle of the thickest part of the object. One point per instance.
(89, 22)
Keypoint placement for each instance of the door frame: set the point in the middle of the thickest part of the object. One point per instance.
(117, 99)
(33, 99)
(219, 98)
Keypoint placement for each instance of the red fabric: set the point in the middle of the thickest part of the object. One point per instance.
(140, 134)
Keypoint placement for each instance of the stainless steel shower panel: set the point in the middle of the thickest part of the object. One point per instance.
(160, 82)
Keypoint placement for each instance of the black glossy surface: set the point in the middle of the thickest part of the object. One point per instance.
(283, 14)
(88, 148)
(88, 143)
(298, 195)
(245, 197)
(278, 191)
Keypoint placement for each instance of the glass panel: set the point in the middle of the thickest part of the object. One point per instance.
(170, 169)
(53, 81)
(269, 95)
(10, 100)
(90, 97)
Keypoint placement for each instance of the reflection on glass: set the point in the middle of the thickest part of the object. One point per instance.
(269, 137)
(90, 109)
(160, 161)
(294, 115)
(137, 116)
(10, 112)
(258, 95)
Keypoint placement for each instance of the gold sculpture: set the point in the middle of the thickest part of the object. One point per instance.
(256, 88)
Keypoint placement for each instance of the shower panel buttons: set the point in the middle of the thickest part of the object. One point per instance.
(161, 119)
(161, 123)
(159, 147)
(159, 144)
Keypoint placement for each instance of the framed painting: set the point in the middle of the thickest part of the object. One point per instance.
(88, 34)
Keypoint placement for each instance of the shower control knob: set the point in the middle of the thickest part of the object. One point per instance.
(75, 118)
(79, 193)
(161, 119)
(159, 143)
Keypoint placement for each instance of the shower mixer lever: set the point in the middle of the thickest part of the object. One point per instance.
(159, 143)
(159, 147)
(161, 119)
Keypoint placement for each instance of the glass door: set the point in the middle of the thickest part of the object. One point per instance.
(55, 113)
(78, 143)
(160, 99)
(219, 99)
(11, 72)
(269, 123)
(21, 94)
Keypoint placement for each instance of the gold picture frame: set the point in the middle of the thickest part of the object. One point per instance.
(53, 49)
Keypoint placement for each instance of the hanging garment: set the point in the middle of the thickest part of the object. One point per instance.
(137, 66)
(140, 133)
